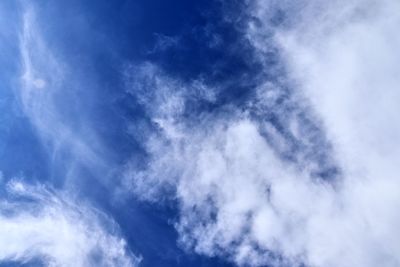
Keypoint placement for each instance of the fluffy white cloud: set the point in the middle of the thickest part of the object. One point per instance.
(239, 193)
(38, 223)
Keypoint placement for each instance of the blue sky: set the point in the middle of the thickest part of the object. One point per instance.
(199, 133)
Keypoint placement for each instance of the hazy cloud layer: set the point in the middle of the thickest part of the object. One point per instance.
(38, 223)
(316, 185)
(46, 96)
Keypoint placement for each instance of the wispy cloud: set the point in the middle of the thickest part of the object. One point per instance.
(39, 223)
(306, 175)
(45, 98)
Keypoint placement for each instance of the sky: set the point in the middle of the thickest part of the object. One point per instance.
(146, 133)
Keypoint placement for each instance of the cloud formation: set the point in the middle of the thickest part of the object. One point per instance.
(37, 223)
(306, 176)
(46, 97)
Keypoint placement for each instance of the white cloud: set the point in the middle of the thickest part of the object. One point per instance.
(240, 197)
(38, 223)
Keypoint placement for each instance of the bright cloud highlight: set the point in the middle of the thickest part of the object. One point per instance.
(252, 188)
(38, 223)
